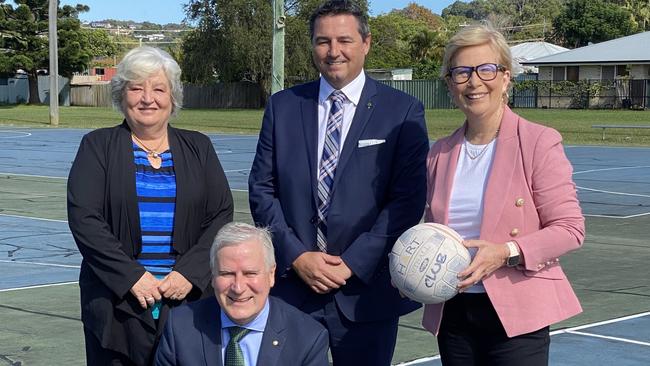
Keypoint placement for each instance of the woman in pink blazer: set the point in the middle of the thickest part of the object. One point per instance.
(505, 185)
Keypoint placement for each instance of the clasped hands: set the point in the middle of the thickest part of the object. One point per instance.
(488, 258)
(322, 272)
(148, 289)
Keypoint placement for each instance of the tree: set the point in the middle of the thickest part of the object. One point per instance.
(24, 32)
(232, 40)
(298, 65)
(391, 36)
(476, 9)
(422, 14)
(584, 21)
(640, 10)
(99, 43)
(516, 19)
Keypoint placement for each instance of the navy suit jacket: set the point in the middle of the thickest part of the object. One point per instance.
(378, 192)
(192, 336)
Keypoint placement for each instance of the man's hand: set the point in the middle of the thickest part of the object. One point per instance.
(321, 271)
(175, 286)
(489, 258)
(341, 269)
(146, 290)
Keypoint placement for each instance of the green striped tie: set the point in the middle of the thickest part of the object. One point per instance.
(234, 354)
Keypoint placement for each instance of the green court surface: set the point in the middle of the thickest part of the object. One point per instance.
(41, 326)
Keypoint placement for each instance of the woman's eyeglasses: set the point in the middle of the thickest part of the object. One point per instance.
(485, 72)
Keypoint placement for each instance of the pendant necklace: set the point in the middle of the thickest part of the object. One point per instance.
(151, 153)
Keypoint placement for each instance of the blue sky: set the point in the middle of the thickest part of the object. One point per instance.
(171, 11)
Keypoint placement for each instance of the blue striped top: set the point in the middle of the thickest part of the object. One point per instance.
(156, 191)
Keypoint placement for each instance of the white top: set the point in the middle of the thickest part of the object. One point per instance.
(466, 203)
(353, 93)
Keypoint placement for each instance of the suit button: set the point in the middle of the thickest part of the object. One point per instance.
(519, 202)
(514, 232)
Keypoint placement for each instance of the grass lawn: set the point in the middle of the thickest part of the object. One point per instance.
(574, 125)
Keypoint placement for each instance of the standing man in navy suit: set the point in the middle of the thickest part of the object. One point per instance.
(241, 325)
(338, 175)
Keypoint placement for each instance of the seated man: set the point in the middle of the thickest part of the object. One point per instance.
(243, 325)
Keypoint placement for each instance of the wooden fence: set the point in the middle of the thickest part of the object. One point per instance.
(224, 95)
(92, 95)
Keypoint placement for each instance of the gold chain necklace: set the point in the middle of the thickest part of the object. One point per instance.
(152, 153)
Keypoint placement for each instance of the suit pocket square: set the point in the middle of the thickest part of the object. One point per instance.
(366, 143)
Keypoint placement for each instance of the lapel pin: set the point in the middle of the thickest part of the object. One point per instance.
(369, 105)
(275, 343)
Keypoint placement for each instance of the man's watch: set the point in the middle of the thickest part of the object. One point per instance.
(514, 258)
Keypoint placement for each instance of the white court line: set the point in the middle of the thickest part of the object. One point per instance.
(33, 176)
(618, 194)
(604, 322)
(49, 176)
(617, 217)
(608, 169)
(41, 264)
(33, 218)
(420, 361)
(23, 134)
(39, 286)
(615, 193)
(574, 330)
(236, 170)
(606, 147)
(610, 338)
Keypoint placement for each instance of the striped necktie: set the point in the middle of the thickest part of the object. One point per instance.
(234, 354)
(329, 160)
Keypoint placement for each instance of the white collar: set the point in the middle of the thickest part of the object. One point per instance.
(352, 91)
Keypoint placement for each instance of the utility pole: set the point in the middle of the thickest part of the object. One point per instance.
(277, 71)
(54, 63)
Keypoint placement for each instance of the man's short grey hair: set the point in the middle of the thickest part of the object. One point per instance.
(235, 233)
(139, 64)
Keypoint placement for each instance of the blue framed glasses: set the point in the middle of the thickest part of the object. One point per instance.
(485, 72)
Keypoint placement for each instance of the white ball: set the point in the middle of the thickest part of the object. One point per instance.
(425, 262)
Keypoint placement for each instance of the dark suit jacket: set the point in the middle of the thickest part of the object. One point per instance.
(104, 219)
(378, 192)
(192, 336)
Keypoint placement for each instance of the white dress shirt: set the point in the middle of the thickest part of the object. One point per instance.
(352, 92)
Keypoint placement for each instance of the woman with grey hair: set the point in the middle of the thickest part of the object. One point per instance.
(145, 200)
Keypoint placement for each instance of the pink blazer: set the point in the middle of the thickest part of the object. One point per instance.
(530, 198)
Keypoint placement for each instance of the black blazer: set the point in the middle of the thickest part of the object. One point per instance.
(104, 219)
(193, 337)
